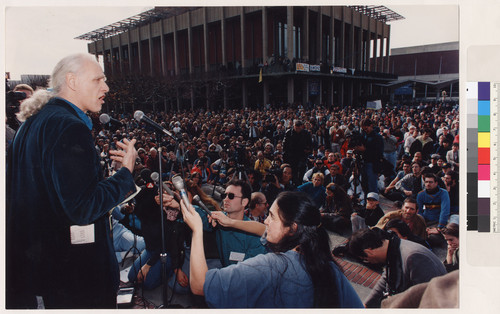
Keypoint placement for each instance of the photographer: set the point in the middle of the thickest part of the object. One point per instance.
(297, 145)
(271, 184)
(147, 268)
(371, 147)
(13, 100)
(262, 164)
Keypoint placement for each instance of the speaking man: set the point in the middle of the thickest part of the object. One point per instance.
(59, 253)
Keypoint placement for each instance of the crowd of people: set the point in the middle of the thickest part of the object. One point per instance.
(273, 180)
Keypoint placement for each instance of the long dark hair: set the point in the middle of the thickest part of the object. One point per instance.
(311, 241)
(340, 197)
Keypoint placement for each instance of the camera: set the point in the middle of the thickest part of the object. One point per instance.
(273, 174)
(356, 139)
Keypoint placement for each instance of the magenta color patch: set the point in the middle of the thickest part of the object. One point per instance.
(483, 172)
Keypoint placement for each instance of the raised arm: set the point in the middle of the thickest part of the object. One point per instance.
(249, 226)
(198, 264)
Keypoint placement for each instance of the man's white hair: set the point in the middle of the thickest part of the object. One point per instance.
(70, 64)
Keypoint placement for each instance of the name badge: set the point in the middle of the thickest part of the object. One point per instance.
(236, 256)
(82, 234)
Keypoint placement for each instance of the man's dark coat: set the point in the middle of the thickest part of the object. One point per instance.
(54, 180)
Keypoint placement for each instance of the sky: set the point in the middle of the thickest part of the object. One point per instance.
(37, 37)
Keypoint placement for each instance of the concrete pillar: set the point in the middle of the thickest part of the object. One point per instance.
(205, 39)
(265, 92)
(176, 50)
(331, 95)
(223, 39)
(120, 53)
(242, 31)
(387, 51)
(190, 46)
(360, 62)
(290, 90)
(351, 92)
(369, 45)
(375, 45)
(319, 32)
(129, 47)
(96, 54)
(351, 53)
(139, 50)
(342, 39)
(289, 33)
(162, 50)
(305, 35)
(305, 91)
(320, 92)
(150, 40)
(341, 96)
(244, 92)
(382, 50)
(265, 49)
(112, 56)
(332, 36)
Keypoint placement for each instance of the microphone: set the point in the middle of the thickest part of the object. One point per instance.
(105, 119)
(156, 178)
(198, 201)
(179, 186)
(141, 117)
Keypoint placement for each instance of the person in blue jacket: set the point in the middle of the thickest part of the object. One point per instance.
(299, 273)
(315, 189)
(59, 253)
(433, 202)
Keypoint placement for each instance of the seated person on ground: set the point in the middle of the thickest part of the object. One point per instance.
(405, 263)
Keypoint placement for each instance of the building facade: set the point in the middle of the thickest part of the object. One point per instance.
(428, 72)
(233, 57)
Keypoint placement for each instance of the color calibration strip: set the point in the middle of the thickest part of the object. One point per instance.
(494, 154)
(482, 156)
(483, 167)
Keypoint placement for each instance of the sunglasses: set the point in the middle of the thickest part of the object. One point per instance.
(231, 196)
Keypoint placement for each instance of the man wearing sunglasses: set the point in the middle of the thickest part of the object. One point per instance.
(233, 244)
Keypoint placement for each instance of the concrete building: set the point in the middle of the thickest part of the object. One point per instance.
(428, 72)
(234, 57)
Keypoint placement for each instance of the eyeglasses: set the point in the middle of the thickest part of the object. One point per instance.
(231, 196)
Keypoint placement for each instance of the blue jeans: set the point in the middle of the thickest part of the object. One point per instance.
(211, 263)
(392, 158)
(371, 178)
(153, 278)
(123, 240)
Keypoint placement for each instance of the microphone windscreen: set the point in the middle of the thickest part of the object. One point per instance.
(178, 182)
(155, 176)
(138, 115)
(104, 118)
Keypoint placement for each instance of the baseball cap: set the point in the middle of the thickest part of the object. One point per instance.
(373, 195)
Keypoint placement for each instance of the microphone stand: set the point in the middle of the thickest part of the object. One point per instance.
(163, 253)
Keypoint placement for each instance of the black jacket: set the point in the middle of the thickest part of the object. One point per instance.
(54, 181)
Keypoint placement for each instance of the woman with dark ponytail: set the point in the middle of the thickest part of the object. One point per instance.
(299, 273)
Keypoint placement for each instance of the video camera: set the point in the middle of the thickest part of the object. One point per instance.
(273, 174)
(356, 139)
